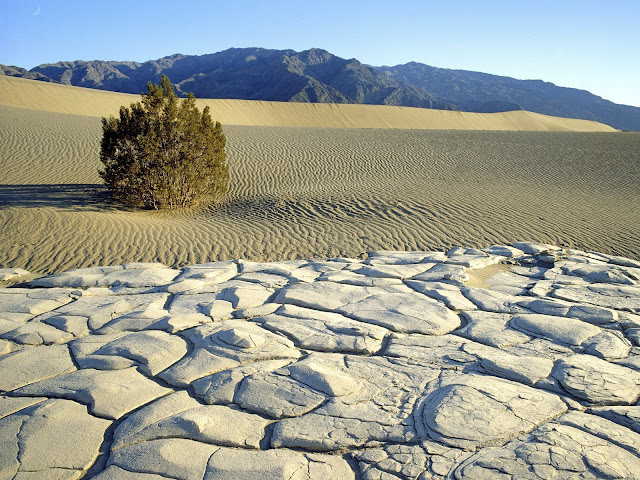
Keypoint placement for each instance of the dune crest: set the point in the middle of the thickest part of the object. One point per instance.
(51, 97)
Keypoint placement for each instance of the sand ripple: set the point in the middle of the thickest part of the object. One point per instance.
(314, 192)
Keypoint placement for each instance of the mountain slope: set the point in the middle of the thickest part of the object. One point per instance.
(317, 76)
(249, 73)
(465, 88)
(13, 71)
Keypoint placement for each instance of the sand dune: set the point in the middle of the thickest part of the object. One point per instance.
(320, 192)
(97, 103)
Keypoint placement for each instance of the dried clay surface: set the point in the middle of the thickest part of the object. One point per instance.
(510, 362)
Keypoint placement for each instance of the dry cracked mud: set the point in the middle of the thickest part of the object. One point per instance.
(509, 362)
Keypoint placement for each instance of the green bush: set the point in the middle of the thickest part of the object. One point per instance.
(164, 153)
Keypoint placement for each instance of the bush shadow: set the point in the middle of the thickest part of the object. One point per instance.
(79, 197)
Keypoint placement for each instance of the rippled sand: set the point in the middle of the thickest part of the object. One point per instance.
(320, 192)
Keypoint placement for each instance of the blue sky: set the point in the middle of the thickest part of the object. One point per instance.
(588, 44)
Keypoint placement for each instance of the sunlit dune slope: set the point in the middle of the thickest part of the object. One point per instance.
(320, 192)
(51, 97)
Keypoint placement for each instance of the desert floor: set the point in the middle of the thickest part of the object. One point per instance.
(317, 193)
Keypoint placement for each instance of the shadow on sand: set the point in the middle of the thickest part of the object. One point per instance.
(86, 197)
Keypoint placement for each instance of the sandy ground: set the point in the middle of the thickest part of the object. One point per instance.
(315, 192)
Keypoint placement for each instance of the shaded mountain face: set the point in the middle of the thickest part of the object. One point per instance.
(13, 71)
(465, 89)
(249, 73)
(318, 76)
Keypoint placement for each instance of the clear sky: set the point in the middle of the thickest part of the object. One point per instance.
(588, 44)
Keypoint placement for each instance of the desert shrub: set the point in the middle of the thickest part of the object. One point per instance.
(163, 153)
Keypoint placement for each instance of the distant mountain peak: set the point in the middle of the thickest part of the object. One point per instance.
(316, 56)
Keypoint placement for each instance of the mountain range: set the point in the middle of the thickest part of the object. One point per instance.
(318, 76)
